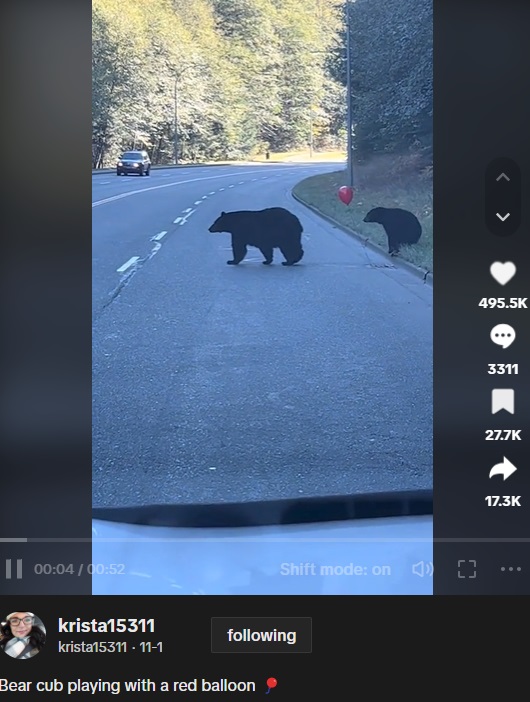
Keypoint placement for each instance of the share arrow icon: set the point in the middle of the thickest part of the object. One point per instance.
(506, 468)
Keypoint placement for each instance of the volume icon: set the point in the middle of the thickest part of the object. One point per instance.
(422, 569)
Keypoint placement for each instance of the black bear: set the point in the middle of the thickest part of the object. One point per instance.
(401, 226)
(267, 229)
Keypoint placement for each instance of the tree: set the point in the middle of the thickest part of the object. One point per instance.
(245, 73)
(392, 76)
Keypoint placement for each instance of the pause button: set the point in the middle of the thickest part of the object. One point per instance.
(10, 570)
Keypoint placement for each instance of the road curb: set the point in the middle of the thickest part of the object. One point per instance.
(425, 275)
(106, 171)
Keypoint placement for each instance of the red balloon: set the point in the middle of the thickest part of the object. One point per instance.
(346, 194)
(272, 682)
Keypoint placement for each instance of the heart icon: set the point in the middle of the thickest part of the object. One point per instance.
(502, 272)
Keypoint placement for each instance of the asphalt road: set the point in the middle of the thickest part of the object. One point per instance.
(232, 383)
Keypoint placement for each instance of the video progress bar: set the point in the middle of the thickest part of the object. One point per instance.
(17, 540)
(269, 540)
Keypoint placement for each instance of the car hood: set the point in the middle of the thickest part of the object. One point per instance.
(167, 554)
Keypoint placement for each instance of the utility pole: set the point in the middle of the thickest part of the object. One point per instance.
(349, 95)
(311, 132)
(178, 75)
(175, 126)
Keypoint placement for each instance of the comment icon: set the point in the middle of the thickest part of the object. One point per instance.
(503, 335)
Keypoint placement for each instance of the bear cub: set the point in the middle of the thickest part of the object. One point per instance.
(401, 226)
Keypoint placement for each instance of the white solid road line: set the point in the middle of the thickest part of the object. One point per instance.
(159, 187)
(130, 193)
(129, 263)
(159, 236)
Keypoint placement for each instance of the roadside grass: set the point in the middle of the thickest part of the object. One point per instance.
(383, 182)
(293, 156)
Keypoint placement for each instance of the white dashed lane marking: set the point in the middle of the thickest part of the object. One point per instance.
(156, 248)
(129, 263)
(198, 202)
(176, 221)
(188, 210)
(160, 187)
(159, 236)
(212, 193)
(183, 219)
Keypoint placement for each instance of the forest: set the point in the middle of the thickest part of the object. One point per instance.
(218, 80)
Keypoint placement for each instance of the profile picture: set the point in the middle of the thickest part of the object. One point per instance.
(22, 635)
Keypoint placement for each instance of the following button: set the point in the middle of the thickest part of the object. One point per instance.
(261, 634)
